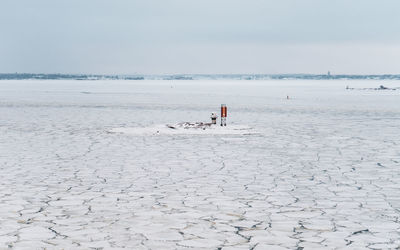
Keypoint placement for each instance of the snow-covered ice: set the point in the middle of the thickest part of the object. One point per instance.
(82, 165)
(167, 129)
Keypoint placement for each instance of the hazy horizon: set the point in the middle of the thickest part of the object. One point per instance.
(198, 74)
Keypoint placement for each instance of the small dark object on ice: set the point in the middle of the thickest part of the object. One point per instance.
(385, 88)
(190, 125)
(381, 87)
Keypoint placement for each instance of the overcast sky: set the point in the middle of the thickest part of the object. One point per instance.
(200, 36)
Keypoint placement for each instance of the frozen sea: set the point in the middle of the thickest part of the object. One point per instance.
(321, 171)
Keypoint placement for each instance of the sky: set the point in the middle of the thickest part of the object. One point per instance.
(200, 36)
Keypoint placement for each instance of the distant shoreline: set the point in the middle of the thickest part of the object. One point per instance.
(30, 76)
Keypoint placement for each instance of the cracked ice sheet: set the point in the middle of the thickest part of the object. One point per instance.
(321, 171)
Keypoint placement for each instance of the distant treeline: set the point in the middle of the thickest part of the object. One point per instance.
(26, 76)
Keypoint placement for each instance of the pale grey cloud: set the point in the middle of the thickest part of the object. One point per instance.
(207, 36)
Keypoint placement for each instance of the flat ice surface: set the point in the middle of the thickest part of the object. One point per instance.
(322, 171)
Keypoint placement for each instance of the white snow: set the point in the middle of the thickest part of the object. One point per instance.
(83, 166)
(165, 130)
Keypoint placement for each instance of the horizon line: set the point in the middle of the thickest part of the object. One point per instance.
(203, 74)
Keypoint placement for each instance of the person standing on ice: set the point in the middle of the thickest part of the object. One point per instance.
(214, 118)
